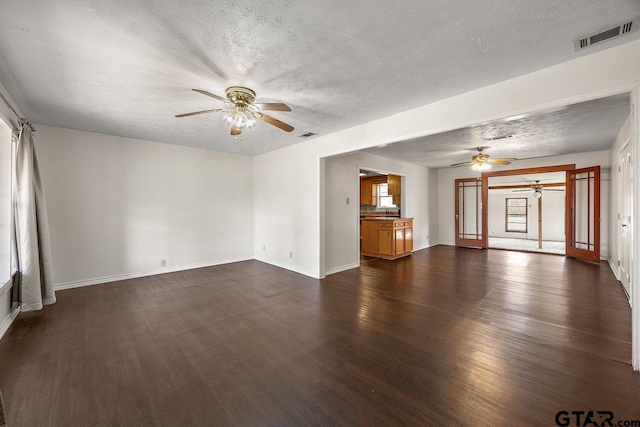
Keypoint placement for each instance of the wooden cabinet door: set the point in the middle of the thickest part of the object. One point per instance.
(385, 242)
(393, 185)
(408, 239)
(365, 191)
(393, 188)
(399, 241)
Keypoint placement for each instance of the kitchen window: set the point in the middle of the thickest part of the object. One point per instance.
(516, 215)
(384, 199)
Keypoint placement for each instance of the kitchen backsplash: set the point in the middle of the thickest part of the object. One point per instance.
(372, 210)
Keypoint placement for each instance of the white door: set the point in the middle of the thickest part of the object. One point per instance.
(625, 214)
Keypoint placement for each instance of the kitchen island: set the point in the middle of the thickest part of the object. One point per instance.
(386, 237)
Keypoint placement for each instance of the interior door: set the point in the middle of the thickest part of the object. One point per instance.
(625, 213)
(468, 213)
(583, 214)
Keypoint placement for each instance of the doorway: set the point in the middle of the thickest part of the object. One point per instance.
(581, 212)
(527, 212)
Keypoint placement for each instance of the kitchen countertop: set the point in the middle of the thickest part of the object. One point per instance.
(383, 218)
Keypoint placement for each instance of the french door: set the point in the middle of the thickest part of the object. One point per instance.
(468, 214)
(583, 214)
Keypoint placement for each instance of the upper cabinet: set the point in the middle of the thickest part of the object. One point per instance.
(366, 188)
(369, 189)
(393, 188)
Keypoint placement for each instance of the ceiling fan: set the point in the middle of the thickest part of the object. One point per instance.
(242, 111)
(537, 188)
(482, 162)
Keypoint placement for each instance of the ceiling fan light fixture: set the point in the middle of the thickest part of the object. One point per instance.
(241, 112)
(480, 166)
(239, 118)
(537, 194)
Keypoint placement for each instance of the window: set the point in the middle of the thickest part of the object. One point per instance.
(5, 202)
(384, 199)
(516, 218)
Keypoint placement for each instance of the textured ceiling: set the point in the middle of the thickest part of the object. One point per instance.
(583, 127)
(126, 67)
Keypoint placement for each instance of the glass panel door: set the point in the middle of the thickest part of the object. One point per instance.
(468, 213)
(583, 214)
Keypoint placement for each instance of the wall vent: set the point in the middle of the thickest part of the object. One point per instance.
(307, 135)
(618, 30)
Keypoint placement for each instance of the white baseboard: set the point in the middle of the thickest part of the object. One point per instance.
(614, 268)
(341, 268)
(115, 278)
(6, 287)
(430, 245)
(8, 321)
(289, 267)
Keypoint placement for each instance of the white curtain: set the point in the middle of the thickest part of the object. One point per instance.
(31, 229)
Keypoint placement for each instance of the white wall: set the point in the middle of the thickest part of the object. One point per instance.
(291, 218)
(446, 193)
(118, 206)
(552, 215)
(614, 159)
(342, 219)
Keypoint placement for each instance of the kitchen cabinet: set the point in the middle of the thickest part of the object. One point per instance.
(369, 189)
(393, 188)
(388, 238)
(366, 192)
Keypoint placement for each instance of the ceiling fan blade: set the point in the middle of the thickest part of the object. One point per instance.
(272, 121)
(235, 131)
(455, 165)
(552, 189)
(499, 161)
(199, 112)
(273, 106)
(204, 92)
(516, 191)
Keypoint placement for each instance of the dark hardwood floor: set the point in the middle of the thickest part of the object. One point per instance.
(445, 337)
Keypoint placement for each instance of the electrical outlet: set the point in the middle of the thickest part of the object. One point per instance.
(163, 263)
(264, 247)
(290, 254)
(347, 200)
(427, 237)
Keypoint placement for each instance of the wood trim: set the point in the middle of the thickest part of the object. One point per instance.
(509, 187)
(527, 171)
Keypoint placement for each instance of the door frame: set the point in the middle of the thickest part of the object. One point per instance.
(484, 176)
(623, 247)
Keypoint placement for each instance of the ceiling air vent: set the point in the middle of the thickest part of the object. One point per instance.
(498, 138)
(307, 135)
(609, 33)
